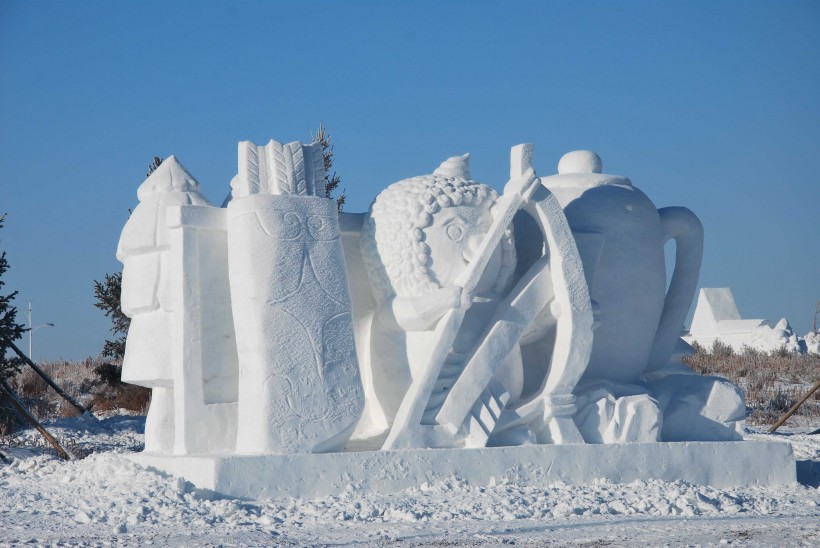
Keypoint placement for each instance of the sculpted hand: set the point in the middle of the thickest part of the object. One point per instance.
(422, 312)
(520, 186)
(456, 297)
(465, 297)
(450, 297)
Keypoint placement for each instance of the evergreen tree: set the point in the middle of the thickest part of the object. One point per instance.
(332, 180)
(107, 296)
(10, 330)
(152, 167)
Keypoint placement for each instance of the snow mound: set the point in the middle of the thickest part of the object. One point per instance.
(768, 338)
(812, 342)
(108, 489)
(109, 498)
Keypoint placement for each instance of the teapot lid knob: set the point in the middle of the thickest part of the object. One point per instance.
(580, 161)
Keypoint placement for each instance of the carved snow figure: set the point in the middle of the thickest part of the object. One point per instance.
(420, 235)
(146, 299)
(445, 360)
(299, 387)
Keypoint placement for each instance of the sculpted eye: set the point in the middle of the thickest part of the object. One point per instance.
(455, 232)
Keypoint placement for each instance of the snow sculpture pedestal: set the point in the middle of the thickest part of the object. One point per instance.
(719, 464)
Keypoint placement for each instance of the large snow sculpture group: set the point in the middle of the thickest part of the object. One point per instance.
(448, 316)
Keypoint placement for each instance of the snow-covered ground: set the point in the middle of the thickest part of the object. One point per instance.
(104, 499)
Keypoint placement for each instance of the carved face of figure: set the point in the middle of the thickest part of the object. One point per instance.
(423, 231)
(454, 238)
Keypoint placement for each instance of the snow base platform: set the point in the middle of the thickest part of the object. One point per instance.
(719, 464)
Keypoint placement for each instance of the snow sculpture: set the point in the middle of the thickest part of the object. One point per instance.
(447, 317)
(469, 336)
(299, 388)
(717, 318)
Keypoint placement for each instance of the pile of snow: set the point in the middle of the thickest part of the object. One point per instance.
(781, 336)
(811, 342)
(108, 492)
(769, 338)
(107, 497)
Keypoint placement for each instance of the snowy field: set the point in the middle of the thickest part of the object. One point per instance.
(105, 500)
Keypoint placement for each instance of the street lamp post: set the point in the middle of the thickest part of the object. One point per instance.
(31, 331)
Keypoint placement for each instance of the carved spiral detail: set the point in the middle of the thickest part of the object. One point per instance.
(282, 225)
(322, 227)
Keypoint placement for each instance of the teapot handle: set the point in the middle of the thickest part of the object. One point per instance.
(685, 228)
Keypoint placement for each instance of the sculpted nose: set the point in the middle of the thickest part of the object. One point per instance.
(473, 244)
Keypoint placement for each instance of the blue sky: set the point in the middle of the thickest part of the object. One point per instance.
(709, 105)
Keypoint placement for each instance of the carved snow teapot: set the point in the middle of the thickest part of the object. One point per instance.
(620, 236)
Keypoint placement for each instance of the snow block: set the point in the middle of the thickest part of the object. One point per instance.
(719, 464)
(203, 351)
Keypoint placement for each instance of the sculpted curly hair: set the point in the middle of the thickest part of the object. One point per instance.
(393, 244)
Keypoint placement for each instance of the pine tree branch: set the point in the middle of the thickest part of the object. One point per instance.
(331, 181)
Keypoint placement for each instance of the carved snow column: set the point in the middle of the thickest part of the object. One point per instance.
(299, 385)
(204, 348)
(146, 299)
